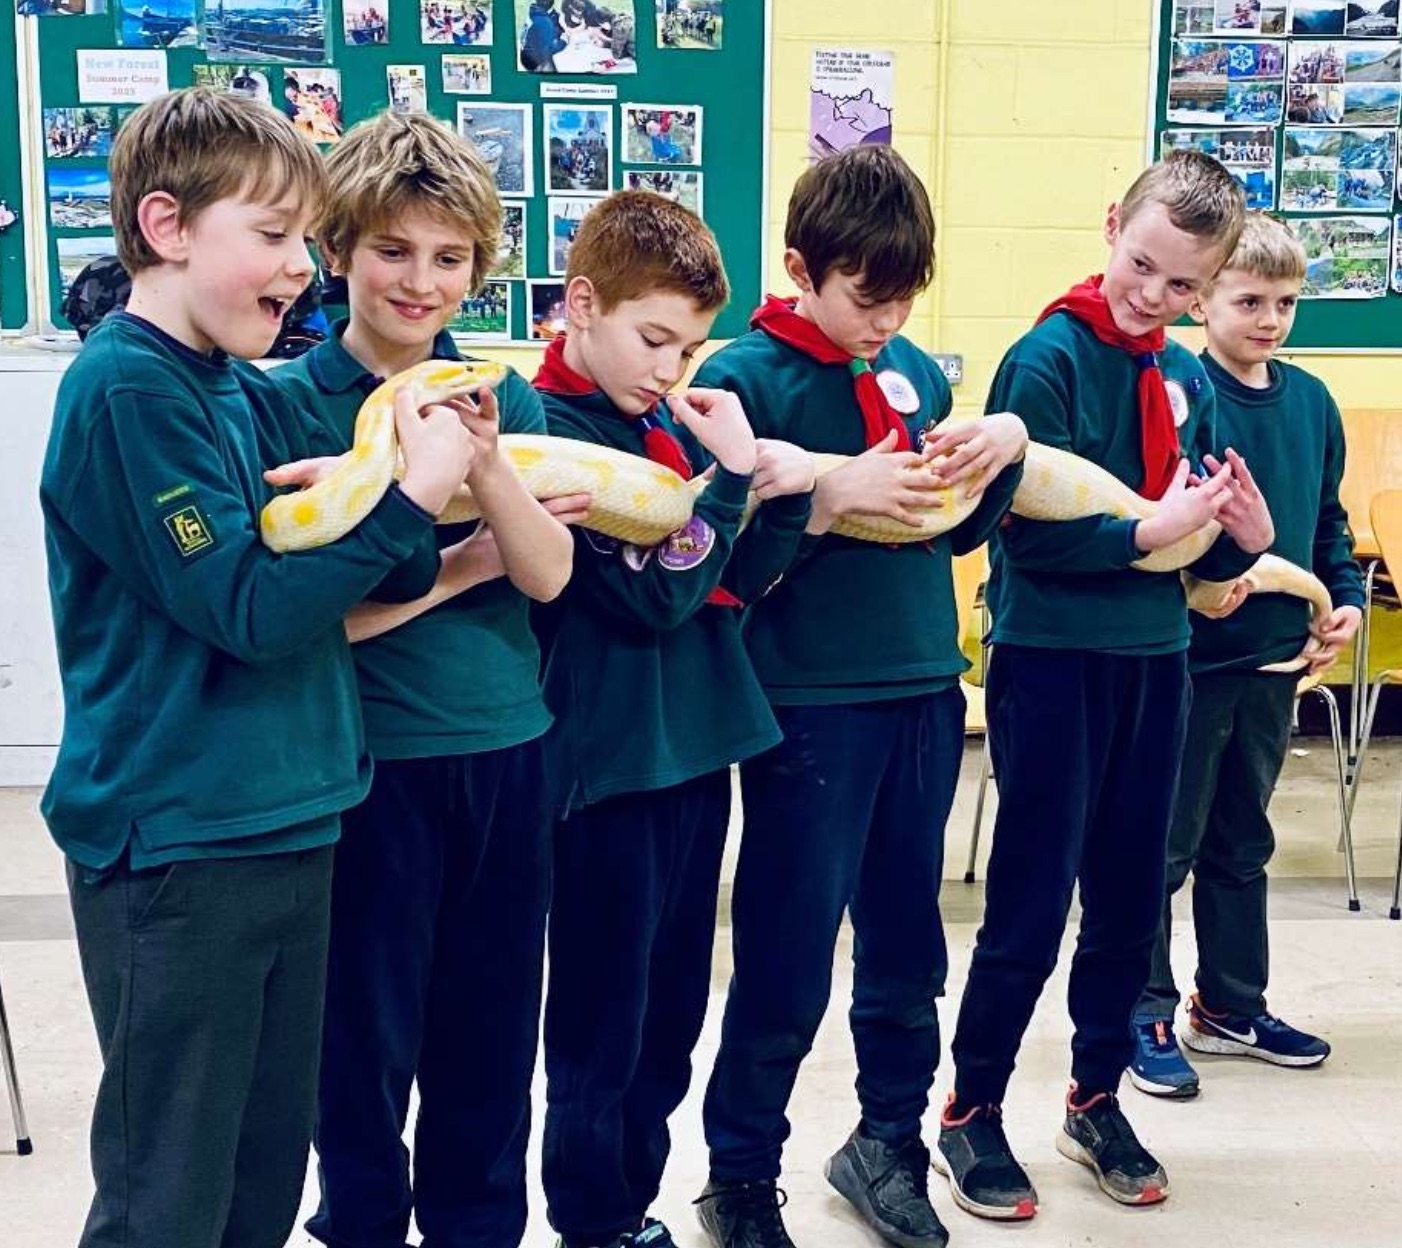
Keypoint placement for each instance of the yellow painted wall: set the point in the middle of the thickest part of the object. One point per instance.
(1026, 119)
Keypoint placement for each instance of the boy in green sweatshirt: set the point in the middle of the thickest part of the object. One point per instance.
(1088, 685)
(212, 732)
(654, 698)
(443, 872)
(857, 647)
(1283, 420)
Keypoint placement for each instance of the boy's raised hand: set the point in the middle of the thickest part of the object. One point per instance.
(976, 451)
(881, 481)
(481, 419)
(1245, 515)
(437, 448)
(782, 468)
(718, 420)
(1187, 505)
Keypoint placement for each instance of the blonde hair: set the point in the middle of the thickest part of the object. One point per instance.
(200, 146)
(636, 243)
(390, 164)
(1268, 248)
(1199, 195)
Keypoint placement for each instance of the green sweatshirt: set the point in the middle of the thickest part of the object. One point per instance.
(465, 676)
(852, 621)
(1068, 585)
(1292, 438)
(649, 682)
(209, 698)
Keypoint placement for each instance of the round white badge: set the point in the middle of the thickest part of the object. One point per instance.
(899, 390)
(1178, 401)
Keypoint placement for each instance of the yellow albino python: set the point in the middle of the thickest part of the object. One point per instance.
(638, 501)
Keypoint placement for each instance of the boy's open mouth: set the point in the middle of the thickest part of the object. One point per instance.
(274, 307)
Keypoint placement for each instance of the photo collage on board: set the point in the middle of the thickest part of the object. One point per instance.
(534, 85)
(1301, 100)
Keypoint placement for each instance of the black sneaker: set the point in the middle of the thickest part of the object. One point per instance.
(1098, 1135)
(983, 1174)
(744, 1215)
(653, 1235)
(889, 1187)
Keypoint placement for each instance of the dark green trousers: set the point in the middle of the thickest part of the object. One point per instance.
(206, 981)
(1238, 732)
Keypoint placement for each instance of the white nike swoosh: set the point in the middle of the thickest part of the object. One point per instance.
(1246, 1037)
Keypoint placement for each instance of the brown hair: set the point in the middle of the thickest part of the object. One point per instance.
(1199, 195)
(389, 164)
(864, 211)
(636, 243)
(200, 146)
(1268, 248)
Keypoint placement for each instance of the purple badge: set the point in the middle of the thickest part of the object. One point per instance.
(688, 546)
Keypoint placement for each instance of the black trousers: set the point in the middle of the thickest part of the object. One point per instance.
(846, 814)
(437, 950)
(205, 980)
(1086, 747)
(1238, 732)
(631, 928)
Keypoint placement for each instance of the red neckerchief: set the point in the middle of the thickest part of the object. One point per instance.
(1158, 436)
(556, 377)
(779, 320)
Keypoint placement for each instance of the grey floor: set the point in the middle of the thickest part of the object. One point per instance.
(1265, 1157)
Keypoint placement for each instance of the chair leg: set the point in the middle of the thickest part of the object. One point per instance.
(23, 1145)
(1354, 780)
(1362, 648)
(985, 773)
(1396, 911)
(1345, 805)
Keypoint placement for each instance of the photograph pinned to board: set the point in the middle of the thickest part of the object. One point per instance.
(245, 80)
(365, 23)
(1248, 155)
(80, 199)
(851, 94)
(1372, 19)
(408, 89)
(662, 134)
(1350, 83)
(1346, 257)
(156, 23)
(75, 254)
(511, 254)
(1397, 254)
(1194, 17)
(72, 132)
(576, 37)
(1216, 81)
(565, 214)
(1326, 170)
(487, 314)
(502, 133)
(278, 31)
(578, 148)
(460, 22)
(312, 99)
(59, 8)
(467, 75)
(545, 305)
(1242, 17)
(1318, 17)
(697, 25)
(679, 185)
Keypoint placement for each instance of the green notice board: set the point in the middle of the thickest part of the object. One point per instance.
(13, 285)
(715, 70)
(1221, 85)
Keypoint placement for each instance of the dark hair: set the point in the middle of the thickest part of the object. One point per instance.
(863, 210)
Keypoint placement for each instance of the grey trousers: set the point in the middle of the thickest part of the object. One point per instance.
(206, 981)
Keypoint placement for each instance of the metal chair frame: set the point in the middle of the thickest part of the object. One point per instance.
(23, 1145)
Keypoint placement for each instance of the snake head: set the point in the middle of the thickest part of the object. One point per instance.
(439, 380)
